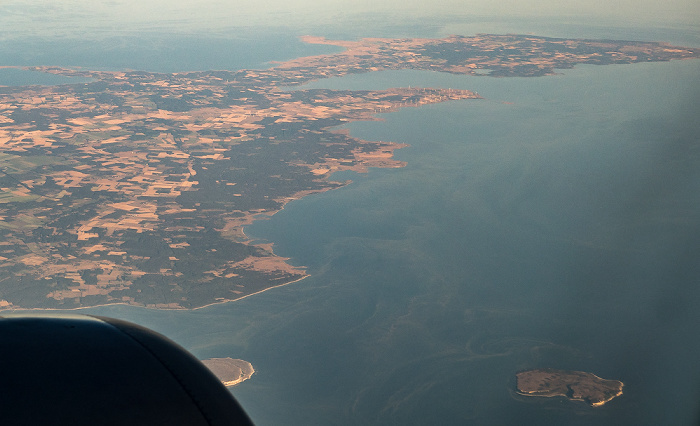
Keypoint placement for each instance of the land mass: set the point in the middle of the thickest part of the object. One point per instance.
(135, 186)
(575, 385)
(230, 371)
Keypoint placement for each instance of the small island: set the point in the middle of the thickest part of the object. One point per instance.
(230, 371)
(575, 385)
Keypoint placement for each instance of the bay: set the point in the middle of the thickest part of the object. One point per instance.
(553, 224)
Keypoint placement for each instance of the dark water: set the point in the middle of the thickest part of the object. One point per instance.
(555, 223)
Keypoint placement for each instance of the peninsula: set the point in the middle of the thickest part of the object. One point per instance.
(575, 385)
(135, 187)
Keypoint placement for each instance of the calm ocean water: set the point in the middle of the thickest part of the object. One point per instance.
(555, 223)
(160, 52)
(20, 77)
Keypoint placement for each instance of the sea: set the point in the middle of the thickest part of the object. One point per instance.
(553, 224)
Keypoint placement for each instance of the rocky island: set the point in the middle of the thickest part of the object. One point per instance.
(575, 385)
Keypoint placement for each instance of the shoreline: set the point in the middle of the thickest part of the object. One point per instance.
(166, 164)
(20, 310)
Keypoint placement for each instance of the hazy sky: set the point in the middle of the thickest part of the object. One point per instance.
(68, 16)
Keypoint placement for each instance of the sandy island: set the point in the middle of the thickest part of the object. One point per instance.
(230, 371)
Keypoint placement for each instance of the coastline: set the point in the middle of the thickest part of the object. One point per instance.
(145, 203)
